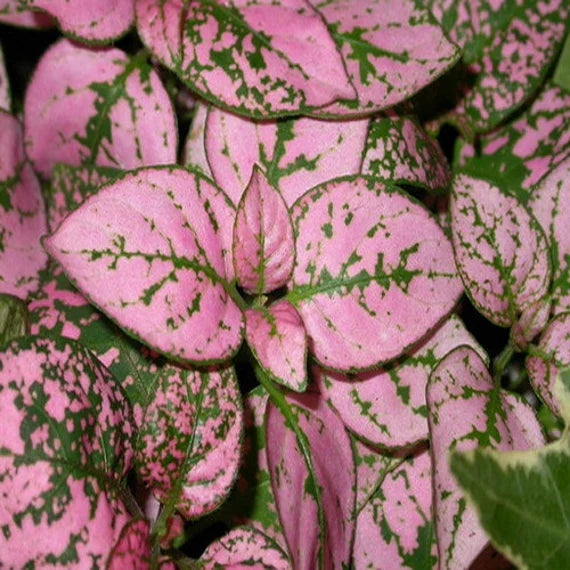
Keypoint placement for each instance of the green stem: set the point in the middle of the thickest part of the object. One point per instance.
(501, 362)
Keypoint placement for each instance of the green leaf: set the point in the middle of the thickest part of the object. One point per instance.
(561, 75)
(13, 318)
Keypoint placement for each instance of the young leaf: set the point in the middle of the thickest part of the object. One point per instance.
(362, 278)
(263, 243)
(387, 407)
(466, 410)
(296, 154)
(159, 270)
(194, 147)
(278, 340)
(133, 547)
(86, 106)
(5, 98)
(14, 319)
(501, 251)
(561, 75)
(17, 13)
(262, 60)
(190, 440)
(294, 486)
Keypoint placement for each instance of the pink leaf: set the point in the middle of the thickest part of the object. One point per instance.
(264, 59)
(194, 148)
(500, 249)
(297, 154)
(132, 550)
(17, 13)
(263, 243)
(190, 439)
(278, 340)
(387, 407)
(148, 251)
(97, 107)
(4, 85)
(368, 260)
(465, 411)
(293, 485)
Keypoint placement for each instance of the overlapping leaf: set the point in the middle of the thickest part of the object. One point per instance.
(133, 547)
(87, 106)
(501, 251)
(194, 147)
(262, 60)
(5, 98)
(18, 13)
(366, 286)
(149, 250)
(14, 318)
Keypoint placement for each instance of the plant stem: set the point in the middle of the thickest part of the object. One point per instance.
(501, 362)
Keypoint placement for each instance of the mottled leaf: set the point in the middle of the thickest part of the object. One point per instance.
(531, 322)
(561, 75)
(366, 286)
(148, 250)
(132, 550)
(465, 411)
(194, 147)
(5, 98)
(14, 318)
(387, 407)
(86, 106)
(500, 249)
(17, 13)
(262, 60)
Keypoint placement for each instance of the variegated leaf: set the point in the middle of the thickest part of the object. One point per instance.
(296, 154)
(190, 440)
(14, 318)
(262, 60)
(313, 542)
(278, 340)
(132, 550)
(531, 322)
(17, 13)
(465, 411)
(391, 49)
(362, 279)
(64, 446)
(387, 407)
(5, 98)
(501, 251)
(86, 106)
(194, 147)
(263, 242)
(22, 214)
(148, 250)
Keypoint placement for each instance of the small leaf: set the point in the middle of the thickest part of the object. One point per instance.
(263, 60)
(263, 243)
(17, 13)
(133, 547)
(500, 249)
(194, 147)
(14, 320)
(158, 271)
(561, 76)
(5, 98)
(278, 340)
(362, 278)
(86, 106)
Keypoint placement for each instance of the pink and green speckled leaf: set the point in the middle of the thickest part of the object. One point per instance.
(263, 242)
(14, 318)
(86, 106)
(278, 340)
(132, 550)
(93, 22)
(363, 277)
(466, 411)
(501, 251)
(158, 271)
(387, 407)
(22, 214)
(316, 538)
(296, 154)
(65, 446)
(194, 155)
(391, 49)
(190, 440)
(17, 13)
(263, 60)
(5, 98)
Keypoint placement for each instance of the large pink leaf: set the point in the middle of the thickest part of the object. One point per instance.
(190, 439)
(132, 550)
(387, 407)
(296, 154)
(22, 214)
(374, 272)
(97, 107)
(278, 340)
(263, 244)
(4, 85)
(148, 251)
(466, 410)
(194, 147)
(17, 13)
(90, 21)
(294, 486)
(264, 59)
(501, 251)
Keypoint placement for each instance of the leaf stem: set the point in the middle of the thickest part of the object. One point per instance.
(501, 362)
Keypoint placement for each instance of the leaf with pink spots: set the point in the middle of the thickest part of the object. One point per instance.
(194, 156)
(190, 439)
(97, 107)
(296, 154)
(18, 13)
(466, 411)
(14, 318)
(315, 506)
(387, 407)
(158, 271)
(132, 550)
(22, 214)
(362, 279)
(501, 251)
(65, 446)
(262, 60)
(5, 98)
